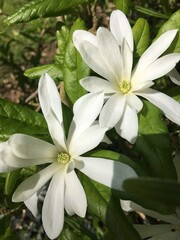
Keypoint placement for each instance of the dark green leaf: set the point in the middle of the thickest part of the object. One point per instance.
(172, 23)
(54, 70)
(74, 67)
(123, 5)
(174, 93)
(154, 143)
(11, 180)
(150, 12)
(141, 35)
(15, 118)
(157, 194)
(41, 9)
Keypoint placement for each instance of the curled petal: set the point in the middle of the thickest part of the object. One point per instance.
(34, 183)
(108, 172)
(75, 198)
(51, 107)
(174, 76)
(168, 105)
(53, 207)
(32, 203)
(134, 102)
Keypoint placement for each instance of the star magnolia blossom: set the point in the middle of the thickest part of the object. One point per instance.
(65, 189)
(110, 54)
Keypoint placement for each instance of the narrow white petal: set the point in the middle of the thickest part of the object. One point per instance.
(53, 207)
(110, 52)
(28, 151)
(32, 184)
(127, 127)
(168, 105)
(51, 107)
(154, 51)
(121, 28)
(134, 102)
(127, 56)
(32, 204)
(160, 67)
(108, 172)
(112, 111)
(5, 153)
(86, 109)
(81, 35)
(146, 231)
(88, 140)
(174, 76)
(75, 195)
(95, 84)
(140, 85)
(125, 204)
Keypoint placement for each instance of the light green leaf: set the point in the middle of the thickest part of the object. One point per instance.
(41, 9)
(54, 70)
(172, 23)
(151, 13)
(74, 67)
(157, 194)
(62, 36)
(15, 118)
(154, 143)
(141, 35)
(123, 5)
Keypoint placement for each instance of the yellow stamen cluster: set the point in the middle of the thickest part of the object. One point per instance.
(125, 86)
(63, 158)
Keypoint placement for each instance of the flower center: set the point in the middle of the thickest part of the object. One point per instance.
(63, 158)
(125, 86)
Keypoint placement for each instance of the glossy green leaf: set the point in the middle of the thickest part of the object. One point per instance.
(74, 67)
(153, 142)
(62, 36)
(151, 13)
(141, 35)
(172, 23)
(157, 194)
(41, 9)
(54, 70)
(107, 208)
(123, 5)
(15, 118)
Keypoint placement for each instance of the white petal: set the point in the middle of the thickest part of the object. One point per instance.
(86, 109)
(134, 102)
(108, 172)
(53, 207)
(174, 76)
(81, 35)
(88, 140)
(110, 52)
(167, 236)
(127, 127)
(140, 85)
(5, 153)
(75, 195)
(125, 204)
(127, 56)
(160, 67)
(168, 105)
(121, 28)
(95, 84)
(32, 203)
(51, 107)
(34, 183)
(154, 51)
(112, 111)
(146, 231)
(29, 151)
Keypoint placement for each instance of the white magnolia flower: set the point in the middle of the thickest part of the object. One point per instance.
(65, 189)
(110, 54)
(169, 230)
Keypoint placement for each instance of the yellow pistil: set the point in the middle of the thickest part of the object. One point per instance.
(63, 158)
(125, 86)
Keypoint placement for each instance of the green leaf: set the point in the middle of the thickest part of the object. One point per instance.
(153, 142)
(54, 70)
(42, 9)
(151, 13)
(174, 93)
(62, 36)
(15, 118)
(141, 35)
(172, 23)
(157, 194)
(11, 180)
(123, 5)
(74, 67)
